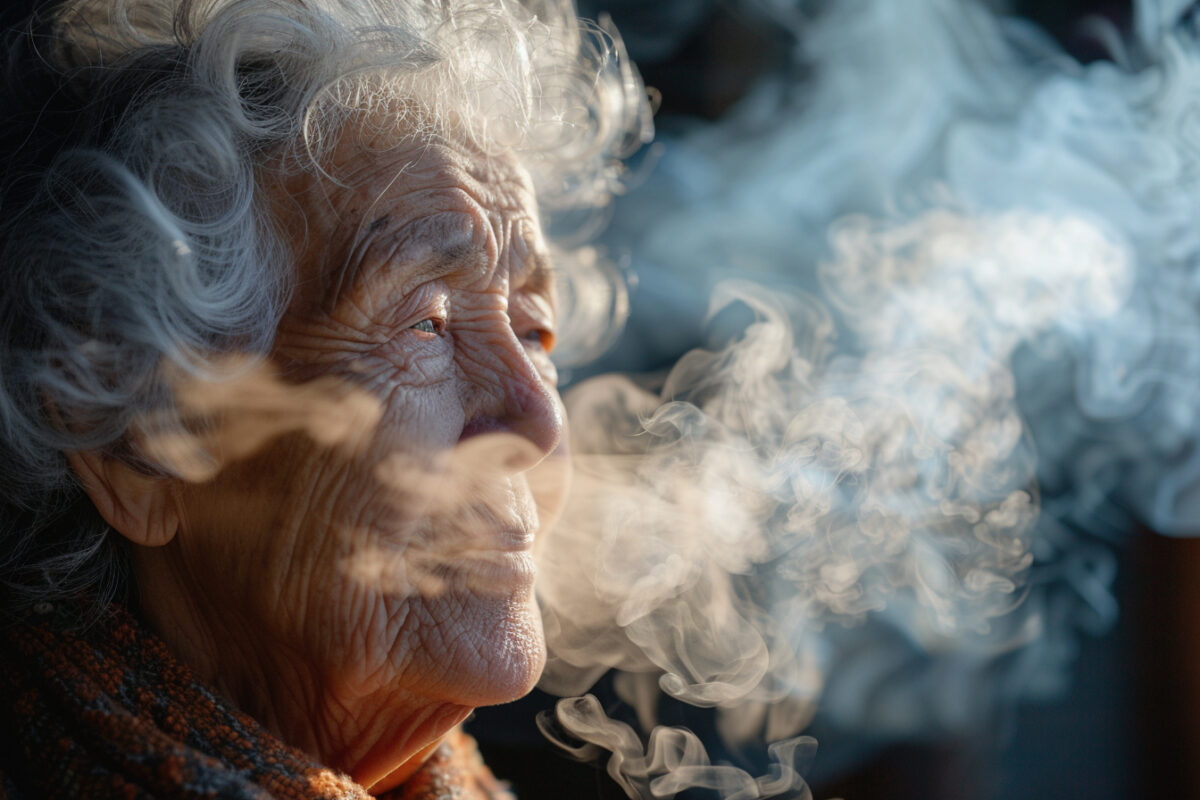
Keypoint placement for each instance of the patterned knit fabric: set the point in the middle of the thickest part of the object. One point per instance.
(111, 713)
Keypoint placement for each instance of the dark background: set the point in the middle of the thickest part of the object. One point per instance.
(1126, 728)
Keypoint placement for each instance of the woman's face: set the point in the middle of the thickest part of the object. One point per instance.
(362, 589)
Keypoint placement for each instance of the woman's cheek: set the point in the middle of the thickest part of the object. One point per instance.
(413, 358)
(422, 415)
(413, 381)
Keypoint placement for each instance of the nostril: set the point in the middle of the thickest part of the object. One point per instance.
(537, 416)
(510, 396)
(482, 425)
(529, 420)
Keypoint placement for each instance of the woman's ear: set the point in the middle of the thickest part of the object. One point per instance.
(139, 507)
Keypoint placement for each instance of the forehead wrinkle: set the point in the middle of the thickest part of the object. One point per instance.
(490, 189)
(382, 251)
(347, 274)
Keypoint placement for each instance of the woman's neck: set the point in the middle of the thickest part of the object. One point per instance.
(378, 737)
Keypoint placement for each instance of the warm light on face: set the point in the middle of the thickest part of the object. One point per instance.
(370, 495)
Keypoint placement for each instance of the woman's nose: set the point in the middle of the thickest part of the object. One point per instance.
(508, 395)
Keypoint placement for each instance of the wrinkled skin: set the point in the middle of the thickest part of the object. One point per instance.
(361, 598)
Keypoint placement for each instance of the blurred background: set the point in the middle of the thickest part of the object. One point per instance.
(1115, 712)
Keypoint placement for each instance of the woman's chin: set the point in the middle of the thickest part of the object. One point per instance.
(516, 655)
(497, 649)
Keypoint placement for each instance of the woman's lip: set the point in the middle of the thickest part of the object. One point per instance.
(502, 561)
(507, 541)
(489, 571)
(515, 539)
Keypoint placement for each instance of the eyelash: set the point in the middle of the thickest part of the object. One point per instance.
(435, 327)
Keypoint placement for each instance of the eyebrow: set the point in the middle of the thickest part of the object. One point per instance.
(441, 259)
(536, 273)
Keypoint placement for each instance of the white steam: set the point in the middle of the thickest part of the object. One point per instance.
(674, 758)
(965, 265)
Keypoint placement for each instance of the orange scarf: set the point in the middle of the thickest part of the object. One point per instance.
(109, 712)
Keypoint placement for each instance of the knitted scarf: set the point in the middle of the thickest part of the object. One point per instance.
(111, 713)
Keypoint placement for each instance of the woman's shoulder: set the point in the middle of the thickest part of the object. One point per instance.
(106, 711)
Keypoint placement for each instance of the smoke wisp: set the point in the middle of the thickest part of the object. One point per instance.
(952, 345)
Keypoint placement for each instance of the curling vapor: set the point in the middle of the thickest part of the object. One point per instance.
(950, 279)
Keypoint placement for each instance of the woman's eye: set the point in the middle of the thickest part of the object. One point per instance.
(429, 326)
(542, 338)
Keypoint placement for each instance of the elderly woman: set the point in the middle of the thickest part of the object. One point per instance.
(279, 417)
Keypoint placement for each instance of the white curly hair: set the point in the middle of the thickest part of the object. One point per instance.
(135, 235)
